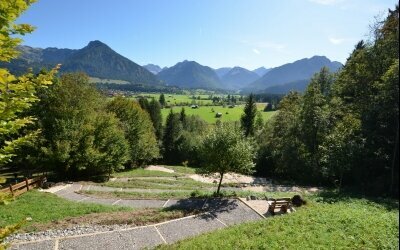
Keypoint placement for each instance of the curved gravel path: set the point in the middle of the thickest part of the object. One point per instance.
(218, 213)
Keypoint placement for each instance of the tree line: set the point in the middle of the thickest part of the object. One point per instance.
(344, 129)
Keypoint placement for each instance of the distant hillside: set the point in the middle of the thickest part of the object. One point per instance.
(237, 78)
(96, 60)
(99, 60)
(222, 71)
(299, 70)
(261, 71)
(299, 86)
(36, 58)
(190, 74)
(155, 69)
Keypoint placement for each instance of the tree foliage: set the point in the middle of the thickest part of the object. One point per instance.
(79, 137)
(17, 94)
(249, 116)
(344, 129)
(138, 128)
(225, 149)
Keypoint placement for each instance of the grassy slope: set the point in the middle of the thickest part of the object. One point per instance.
(140, 172)
(154, 183)
(345, 224)
(45, 207)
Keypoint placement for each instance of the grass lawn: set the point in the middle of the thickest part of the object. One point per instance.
(350, 223)
(45, 207)
(205, 112)
(180, 183)
(140, 172)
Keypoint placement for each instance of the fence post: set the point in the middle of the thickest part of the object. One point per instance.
(27, 184)
(11, 190)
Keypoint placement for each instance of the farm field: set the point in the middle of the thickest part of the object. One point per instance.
(205, 112)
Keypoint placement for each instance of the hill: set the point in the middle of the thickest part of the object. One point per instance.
(190, 74)
(299, 86)
(237, 78)
(299, 70)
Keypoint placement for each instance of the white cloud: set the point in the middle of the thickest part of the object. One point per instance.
(338, 41)
(327, 2)
(256, 51)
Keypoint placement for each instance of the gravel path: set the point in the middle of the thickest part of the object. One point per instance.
(218, 213)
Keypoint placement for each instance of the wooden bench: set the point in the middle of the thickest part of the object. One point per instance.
(283, 204)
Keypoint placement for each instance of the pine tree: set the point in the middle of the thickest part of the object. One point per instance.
(248, 118)
(162, 100)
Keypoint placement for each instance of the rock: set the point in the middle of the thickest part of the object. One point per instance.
(252, 197)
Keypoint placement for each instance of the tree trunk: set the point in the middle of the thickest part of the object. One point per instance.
(220, 182)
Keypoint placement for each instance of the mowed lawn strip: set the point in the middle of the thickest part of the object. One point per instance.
(140, 172)
(45, 207)
(156, 183)
(350, 224)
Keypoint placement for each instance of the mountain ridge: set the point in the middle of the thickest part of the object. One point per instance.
(190, 74)
(302, 69)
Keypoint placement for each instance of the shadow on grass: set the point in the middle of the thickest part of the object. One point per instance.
(332, 196)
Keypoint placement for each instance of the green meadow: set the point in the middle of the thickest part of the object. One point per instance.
(208, 113)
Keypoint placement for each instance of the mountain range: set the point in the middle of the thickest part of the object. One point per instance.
(99, 61)
(297, 71)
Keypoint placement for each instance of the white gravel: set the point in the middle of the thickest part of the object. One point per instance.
(57, 233)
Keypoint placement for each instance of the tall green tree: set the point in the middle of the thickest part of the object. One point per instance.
(139, 130)
(79, 138)
(154, 109)
(17, 94)
(171, 137)
(225, 149)
(249, 116)
(162, 101)
(315, 116)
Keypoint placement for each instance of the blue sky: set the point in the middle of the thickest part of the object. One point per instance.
(216, 33)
